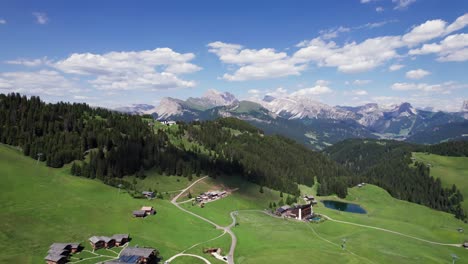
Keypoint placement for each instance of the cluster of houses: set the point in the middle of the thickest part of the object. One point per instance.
(210, 196)
(297, 211)
(168, 122)
(144, 211)
(136, 255)
(98, 242)
(60, 252)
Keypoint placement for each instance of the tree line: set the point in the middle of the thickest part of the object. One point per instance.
(108, 145)
(389, 164)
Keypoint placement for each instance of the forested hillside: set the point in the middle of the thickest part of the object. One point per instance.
(108, 145)
(389, 165)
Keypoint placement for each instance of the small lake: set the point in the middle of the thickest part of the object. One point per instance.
(345, 207)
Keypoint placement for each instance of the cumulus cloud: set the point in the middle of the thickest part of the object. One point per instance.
(351, 57)
(41, 18)
(444, 88)
(395, 67)
(43, 82)
(148, 69)
(379, 9)
(402, 4)
(254, 64)
(320, 88)
(3, 21)
(417, 74)
(452, 48)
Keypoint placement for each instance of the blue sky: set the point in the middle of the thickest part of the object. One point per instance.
(338, 52)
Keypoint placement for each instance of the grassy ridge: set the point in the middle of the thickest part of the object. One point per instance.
(450, 170)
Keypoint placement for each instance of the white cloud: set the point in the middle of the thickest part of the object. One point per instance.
(44, 82)
(402, 4)
(426, 31)
(444, 88)
(452, 48)
(41, 18)
(355, 57)
(316, 90)
(395, 67)
(333, 32)
(320, 88)
(359, 92)
(254, 91)
(146, 70)
(29, 62)
(3, 21)
(379, 9)
(352, 57)
(367, 1)
(417, 74)
(361, 82)
(254, 64)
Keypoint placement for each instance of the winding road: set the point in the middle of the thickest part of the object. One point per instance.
(227, 229)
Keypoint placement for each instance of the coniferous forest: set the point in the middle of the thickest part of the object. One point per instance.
(108, 145)
(389, 164)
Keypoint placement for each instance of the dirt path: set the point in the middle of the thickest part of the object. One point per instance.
(230, 256)
(188, 255)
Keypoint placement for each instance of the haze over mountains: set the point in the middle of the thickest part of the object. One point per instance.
(314, 123)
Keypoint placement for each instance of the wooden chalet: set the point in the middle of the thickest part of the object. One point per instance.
(282, 210)
(109, 242)
(121, 239)
(149, 210)
(465, 245)
(97, 242)
(138, 255)
(56, 259)
(148, 194)
(139, 213)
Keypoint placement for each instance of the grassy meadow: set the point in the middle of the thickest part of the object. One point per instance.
(43, 205)
(450, 170)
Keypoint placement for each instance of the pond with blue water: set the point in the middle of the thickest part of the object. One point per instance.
(345, 207)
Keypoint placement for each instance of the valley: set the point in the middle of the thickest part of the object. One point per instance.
(260, 237)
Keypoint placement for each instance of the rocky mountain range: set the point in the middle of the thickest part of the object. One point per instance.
(313, 123)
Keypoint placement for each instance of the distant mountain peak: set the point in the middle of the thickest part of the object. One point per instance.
(464, 106)
(217, 98)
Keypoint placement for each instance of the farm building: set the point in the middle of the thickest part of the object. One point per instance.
(310, 199)
(121, 239)
(149, 210)
(56, 259)
(300, 211)
(137, 255)
(148, 194)
(139, 213)
(59, 252)
(210, 196)
(465, 245)
(282, 210)
(97, 242)
(168, 123)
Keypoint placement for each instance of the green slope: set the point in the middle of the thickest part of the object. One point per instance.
(450, 170)
(41, 205)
